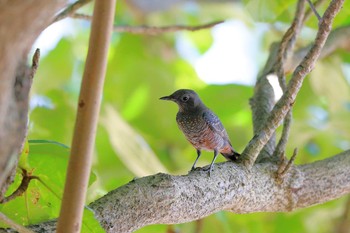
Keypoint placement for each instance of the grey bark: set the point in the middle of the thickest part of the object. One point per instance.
(168, 199)
(20, 24)
(164, 198)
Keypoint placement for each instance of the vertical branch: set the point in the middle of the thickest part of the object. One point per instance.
(86, 122)
(288, 42)
(286, 46)
(263, 100)
(282, 107)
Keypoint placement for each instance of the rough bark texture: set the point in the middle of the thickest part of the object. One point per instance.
(176, 199)
(283, 106)
(167, 199)
(20, 24)
(164, 198)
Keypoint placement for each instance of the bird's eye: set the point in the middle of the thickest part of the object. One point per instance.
(185, 98)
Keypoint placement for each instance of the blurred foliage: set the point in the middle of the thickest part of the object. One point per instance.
(138, 135)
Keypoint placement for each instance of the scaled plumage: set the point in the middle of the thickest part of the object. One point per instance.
(202, 128)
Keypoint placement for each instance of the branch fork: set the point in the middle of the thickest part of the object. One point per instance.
(285, 165)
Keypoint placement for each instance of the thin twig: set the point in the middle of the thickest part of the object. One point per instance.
(282, 165)
(339, 38)
(310, 11)
(152, 30)
(19, 228)
(286, 167)
(314, 10)
(35, 62)
(282, 143)
(27, 177)
(282, 107)
(288, 42)
(70, 10)
(286, 46)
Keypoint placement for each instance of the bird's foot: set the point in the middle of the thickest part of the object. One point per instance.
(193, 169)
(209, 170)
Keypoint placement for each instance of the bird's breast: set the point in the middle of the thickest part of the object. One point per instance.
(198, 132)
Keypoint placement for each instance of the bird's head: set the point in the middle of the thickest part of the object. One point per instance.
(186, 99)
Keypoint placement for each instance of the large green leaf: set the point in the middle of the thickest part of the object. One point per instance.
(46, 160)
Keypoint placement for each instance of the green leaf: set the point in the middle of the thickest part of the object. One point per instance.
(48, 161)
(40, 141)
(267, 11)
(90, 223)
(23, 158)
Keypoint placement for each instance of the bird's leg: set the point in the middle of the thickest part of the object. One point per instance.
(212, 162)
(198, 155)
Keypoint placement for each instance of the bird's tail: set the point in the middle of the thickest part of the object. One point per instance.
(233, 155)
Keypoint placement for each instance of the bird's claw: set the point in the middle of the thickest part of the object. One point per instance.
(209, 170)
(193, 169)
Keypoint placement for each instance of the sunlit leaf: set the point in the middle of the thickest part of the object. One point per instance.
(47, 160)
(131, 147)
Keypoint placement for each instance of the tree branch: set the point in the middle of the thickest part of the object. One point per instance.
(309, 12)
(27, 21)
(264, 99)
(282, 107)
(152, 30)
(70, 10)
(175, 199)
(88, 109)
(285, 165)
(313, 9)
(339, 38)
(12, 224)
(286, 46)
(26, 178)
(167, 199)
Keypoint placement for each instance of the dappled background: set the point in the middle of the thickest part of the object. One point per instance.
(137, 133)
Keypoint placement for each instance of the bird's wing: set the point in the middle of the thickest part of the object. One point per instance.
(214, 123)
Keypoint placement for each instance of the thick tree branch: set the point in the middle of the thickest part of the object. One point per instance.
(175, 199)
(27, 19)
(282, 107)
(167, 199)
(19, 114)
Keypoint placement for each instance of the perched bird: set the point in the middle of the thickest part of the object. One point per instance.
(202, 128)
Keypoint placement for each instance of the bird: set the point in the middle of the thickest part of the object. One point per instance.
(201, 127)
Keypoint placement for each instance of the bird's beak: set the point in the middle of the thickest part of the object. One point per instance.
(167, 98)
